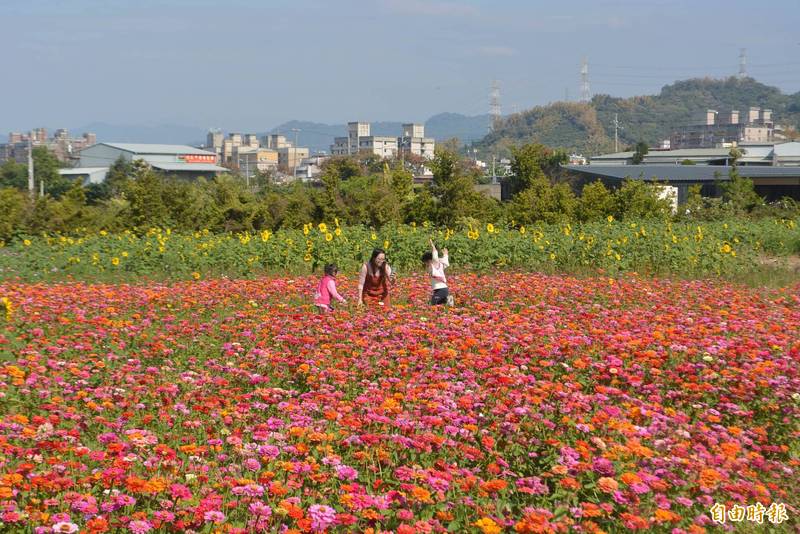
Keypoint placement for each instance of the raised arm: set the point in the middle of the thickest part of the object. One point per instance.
(445, 259)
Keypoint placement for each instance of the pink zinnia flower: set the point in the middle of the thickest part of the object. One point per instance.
(139, 527)
(345, 472)
(214, 516)
(321, 517)
(252, 464)
(65, 527)
(260, 509)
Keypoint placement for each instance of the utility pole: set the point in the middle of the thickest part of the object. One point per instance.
(294, 153)
(616, 132)
(31, 184)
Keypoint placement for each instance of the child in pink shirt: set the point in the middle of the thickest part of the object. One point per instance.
(327, 289)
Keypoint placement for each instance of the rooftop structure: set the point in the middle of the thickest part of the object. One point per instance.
(774, 169)
(180, 160)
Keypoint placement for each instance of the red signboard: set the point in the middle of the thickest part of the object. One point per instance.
(198, 158)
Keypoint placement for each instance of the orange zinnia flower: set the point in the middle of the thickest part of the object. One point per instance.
(493, 486)
(607, 485)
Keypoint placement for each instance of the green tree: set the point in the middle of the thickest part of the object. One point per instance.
(596, 202)
(639, 152)
(13, 174)
(300, 207)
(45, 172)
(402, 183)
(451, 187)
(146, 196)
(530, 162)
(421, 208)
(13, 211)
(739, 193)
(541, 201)
(120, 172)
(637, 199)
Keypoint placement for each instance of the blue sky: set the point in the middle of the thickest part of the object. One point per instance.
(250, 65)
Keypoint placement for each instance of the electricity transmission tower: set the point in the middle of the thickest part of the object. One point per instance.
(742, 63)
(585, 93)
(494, 106)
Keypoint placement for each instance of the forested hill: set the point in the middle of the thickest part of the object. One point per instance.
(589, 128)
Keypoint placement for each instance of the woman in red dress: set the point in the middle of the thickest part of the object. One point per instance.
(373, 281)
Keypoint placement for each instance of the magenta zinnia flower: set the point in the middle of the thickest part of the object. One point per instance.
(321, 517)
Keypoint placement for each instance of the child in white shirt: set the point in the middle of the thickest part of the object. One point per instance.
(436, 266)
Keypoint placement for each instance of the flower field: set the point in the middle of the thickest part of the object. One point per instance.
(538, 404)
(721, 248)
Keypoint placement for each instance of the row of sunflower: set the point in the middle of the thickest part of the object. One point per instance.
(721, 248)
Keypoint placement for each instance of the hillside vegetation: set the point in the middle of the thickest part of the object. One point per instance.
(588, 127)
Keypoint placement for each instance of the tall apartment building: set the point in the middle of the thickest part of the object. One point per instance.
(714, 129)
(359, 140)
(249, 153)
(414, 141)
(276, 141)
(253, 159)
(64, 147)
(290, 157)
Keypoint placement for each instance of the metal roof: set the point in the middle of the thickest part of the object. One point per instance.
(683, 173)
(81, 170)
(147, 148)
(188, 167)
(788, 149)
(672, 154)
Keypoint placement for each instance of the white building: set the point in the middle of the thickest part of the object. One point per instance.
(311, 167)
(413, 141)
(359, 140)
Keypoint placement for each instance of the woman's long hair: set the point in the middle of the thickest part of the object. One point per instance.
(375, 253)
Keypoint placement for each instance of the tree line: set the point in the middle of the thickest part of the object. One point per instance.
(353, 190)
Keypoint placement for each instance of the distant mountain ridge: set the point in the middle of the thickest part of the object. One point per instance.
(588, 127)
(317, 136)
